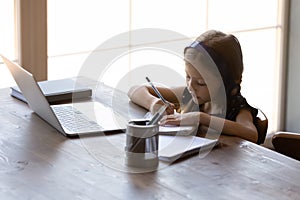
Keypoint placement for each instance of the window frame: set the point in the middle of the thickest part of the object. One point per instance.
(31, 36)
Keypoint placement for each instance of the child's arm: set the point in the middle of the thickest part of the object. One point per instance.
(146, 97)
(243, 126)
(248, 130)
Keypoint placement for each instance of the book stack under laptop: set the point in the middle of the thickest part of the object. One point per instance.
(58, 91)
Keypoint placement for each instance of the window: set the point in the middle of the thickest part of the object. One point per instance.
(258, 26)
(73, 35)
(7, 40)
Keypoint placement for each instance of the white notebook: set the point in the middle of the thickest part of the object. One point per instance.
(177, 130)
(173, 147)
(173, 130)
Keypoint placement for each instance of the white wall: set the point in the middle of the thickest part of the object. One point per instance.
(293, 76)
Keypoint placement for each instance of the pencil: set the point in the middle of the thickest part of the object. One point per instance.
(157, 92)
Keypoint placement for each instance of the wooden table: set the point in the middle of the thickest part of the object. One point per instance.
(36, 162)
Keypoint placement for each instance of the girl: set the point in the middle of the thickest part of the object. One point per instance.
(199, 102)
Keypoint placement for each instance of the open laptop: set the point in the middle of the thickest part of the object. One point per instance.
(71, 120)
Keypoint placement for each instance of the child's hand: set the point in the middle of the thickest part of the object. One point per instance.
(158, 104)
(190, 119)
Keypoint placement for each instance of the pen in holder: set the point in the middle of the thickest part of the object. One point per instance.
(142, 144)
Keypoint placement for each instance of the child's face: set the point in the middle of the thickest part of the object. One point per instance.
(196, 85)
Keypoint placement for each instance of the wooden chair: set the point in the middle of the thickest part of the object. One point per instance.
(287, 143)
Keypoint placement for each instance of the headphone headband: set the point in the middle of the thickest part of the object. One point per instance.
(196, 45)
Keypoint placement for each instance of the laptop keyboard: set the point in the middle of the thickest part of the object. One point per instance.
(74, 120)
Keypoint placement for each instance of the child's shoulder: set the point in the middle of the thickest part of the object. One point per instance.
(236, 104)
